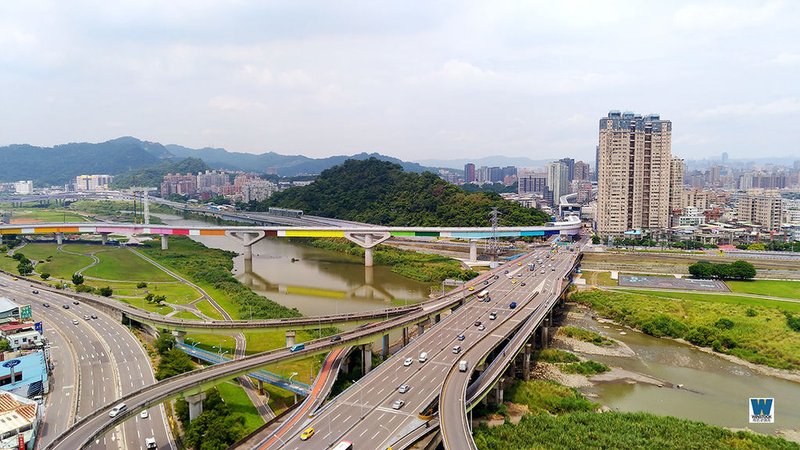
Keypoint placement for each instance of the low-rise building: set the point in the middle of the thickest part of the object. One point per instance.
(19, 421)
(10, 311)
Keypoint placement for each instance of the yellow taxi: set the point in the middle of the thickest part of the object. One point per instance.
(514, 281)
(472, 288)
(307, 434)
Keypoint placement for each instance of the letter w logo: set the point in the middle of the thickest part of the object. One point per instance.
(761, 406)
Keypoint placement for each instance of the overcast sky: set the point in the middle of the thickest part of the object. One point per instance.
(411, 79)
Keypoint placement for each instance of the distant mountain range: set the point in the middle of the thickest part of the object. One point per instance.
(128, 155)
(489, 161)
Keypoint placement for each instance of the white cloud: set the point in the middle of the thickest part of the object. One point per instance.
(724, 15)
(780, 106)
(232, 103)
(787, 59)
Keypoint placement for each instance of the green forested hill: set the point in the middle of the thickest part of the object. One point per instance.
(381, 193)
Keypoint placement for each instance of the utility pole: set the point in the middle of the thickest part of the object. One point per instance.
(494, 249)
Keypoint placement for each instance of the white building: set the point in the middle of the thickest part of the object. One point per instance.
(93, 182)
(23, 187)
(18, 417)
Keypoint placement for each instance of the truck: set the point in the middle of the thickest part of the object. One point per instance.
(297, 347)
(531, 266)
(462, 366)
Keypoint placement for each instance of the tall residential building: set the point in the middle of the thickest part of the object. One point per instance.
(581, 171)
(676, 169)
(596, 162)
(570, 167)
(761, 207)
(179, 184)
(532, 183)
(634, 173)
(24, 187)
(696, 198)
(211, 181)
(93, 182)
(469, 173)
(558, 179)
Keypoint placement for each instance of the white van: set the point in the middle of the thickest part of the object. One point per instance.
(423, 356)
(150, 443)
(462, 366)
(117, 409)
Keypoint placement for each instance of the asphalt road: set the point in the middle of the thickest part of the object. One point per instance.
(364, 415)
(455, 427)
(95, 362)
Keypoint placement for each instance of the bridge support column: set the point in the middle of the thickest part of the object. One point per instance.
(526, 363)
(164, 242)
(405, 336)
(473, 250)
(261, 387)
(368, 250)
(1, 239)
(59, 238)
(498, 391)
(195, 405)
(179, 335)
(104, 238)
(366, 358)
(385, 347)
(545, 336)
(420, 328)
(437, 318)
(367, 241)
(290, 338)
(247, 238)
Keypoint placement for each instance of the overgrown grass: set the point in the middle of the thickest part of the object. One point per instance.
(554, 356)
(757, 333)
(596, 278)
(773, 288)
(586, 336)
(418, 266)
(789, 306)
(619, 431)
(36, 215)
(587, 368)
(548, 397)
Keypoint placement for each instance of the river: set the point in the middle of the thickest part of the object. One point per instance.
(715, 390)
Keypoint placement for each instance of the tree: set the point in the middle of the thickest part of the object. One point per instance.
(174, 362)
(141, 285)
(164, 343)
(105, 291)
(77, 279)
(702, 269)
(4, 345)
(25, 268)
(756, 247)
(44, 275)
(596, 239)
(743, 270)
(19, 256)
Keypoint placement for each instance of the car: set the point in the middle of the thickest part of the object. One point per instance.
(460, 337)
(542, 270)
(462, 366)
(513, 305)
(477, 323)
(46, 305)
(522, 284)
(423, 356)
(506, 271)
(403, 388)
(75, 302)
(457, 349)
(307, 433)
(497, 277)
(408, 362)
(471, 288)
(65, 306)
(336, 339)
(150, 443)
(35, 291)
(519, 275)
(117, 409)
(85, 317)
(553, 269)
(74, 322)
(144, 414)
(514, 281)
(492, 315)
(481, 328)
(486, 282)
(398, 404)
(94, 316)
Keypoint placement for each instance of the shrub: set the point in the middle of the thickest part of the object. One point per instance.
(661, 325)
(750, 312)
(793, 322)
(84, 288)
(588, 367)
(141, 285)
(105, 291)
(724, 323)
(554, 355)
(702, 336)
(44, 275)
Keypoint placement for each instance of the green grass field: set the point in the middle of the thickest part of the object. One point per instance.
(63, 265)
(142, 304)
(186, 315)
(723, 298)
(236, 398)
(120, 264)
(176, 292)
(598, 278)
(758, 330)
(36, 215)
(772, 288)
(206, 308)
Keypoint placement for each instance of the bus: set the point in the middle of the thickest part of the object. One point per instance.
(482, 294)
(344, 445)
(297, 347)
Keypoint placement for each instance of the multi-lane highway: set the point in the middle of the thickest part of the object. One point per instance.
(95, 362)
(366, 413)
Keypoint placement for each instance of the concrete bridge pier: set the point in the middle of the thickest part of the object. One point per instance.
(437, 318)
(367, 240)
(526, 363)
(179, 335)
(366, 358)
(290, 338)
(1, 239)
(385, 347)
(421, 328)
(59, 238)
(545, 336)
(473, 250)
(195, 405)
(164, 242)
(104, 238)
(405, 336)
(261, 387)
(498, 391)
(247, 239)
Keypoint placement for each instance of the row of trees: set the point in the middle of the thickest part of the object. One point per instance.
(739, 270)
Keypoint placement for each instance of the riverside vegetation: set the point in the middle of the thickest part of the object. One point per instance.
(743, 327)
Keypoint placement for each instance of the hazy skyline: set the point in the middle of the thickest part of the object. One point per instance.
(414, 80)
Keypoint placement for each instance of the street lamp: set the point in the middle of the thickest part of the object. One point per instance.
(294, 374)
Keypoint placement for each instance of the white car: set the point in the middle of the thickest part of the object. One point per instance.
(398, 404)
(117, 409)
(457, 349)
(408, 362)
(144, 414)
(403, 388)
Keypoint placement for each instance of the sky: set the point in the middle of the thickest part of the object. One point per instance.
(410, 79)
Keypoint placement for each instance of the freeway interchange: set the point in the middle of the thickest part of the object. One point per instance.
(363, 414)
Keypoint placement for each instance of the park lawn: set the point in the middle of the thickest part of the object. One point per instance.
(772, 288)
(186, 315)
(45, 215)
(238, 401)
(206, 308)
(212, 342)
(40, 251)
(279, 399)
(118, 263)
(789, 306)
(9, 264)
(176, 292)
(598, 278)
(145, 305)
(759, 332)
(63, 265)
